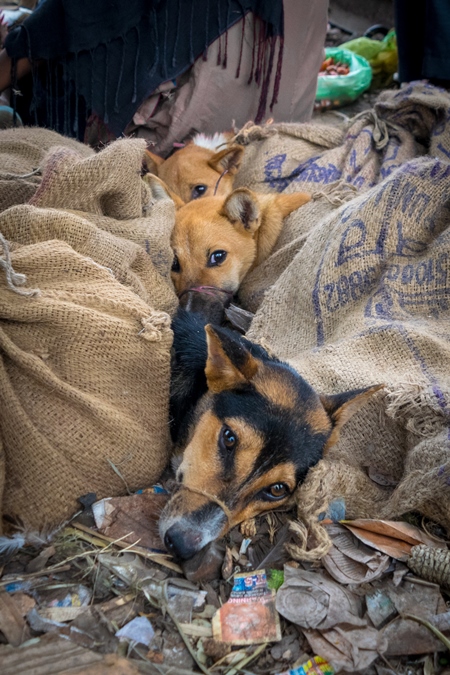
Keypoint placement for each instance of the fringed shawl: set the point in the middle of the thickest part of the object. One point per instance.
(115, 54)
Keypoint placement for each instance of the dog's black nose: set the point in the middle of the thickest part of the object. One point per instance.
(181, 542)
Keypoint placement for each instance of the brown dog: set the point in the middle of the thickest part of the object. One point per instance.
(204, 167)
(217, 241)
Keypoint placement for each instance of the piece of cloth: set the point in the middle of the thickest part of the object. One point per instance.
(423, 36)
(114, 56)
(210, 98)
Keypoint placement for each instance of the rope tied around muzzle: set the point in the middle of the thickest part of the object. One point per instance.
(13, 279)
(211, 498)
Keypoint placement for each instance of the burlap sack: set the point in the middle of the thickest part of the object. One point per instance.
(366, 300)
(404, 124)
(22, 151)
(85, 368)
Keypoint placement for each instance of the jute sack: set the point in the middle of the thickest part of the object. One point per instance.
(84, 336)
(404, 125)
(274, 151)
(21, 153)
(366, 301)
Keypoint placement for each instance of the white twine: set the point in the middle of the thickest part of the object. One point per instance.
(13, 279)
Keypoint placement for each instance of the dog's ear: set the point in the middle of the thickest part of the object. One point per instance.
(274, 209)
(242, 208)
(228, 159)
(160, 190)
(341, 407)
(152, 161)
(228, 364)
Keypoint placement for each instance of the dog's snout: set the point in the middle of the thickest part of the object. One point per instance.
(211, 305)
(181, 542)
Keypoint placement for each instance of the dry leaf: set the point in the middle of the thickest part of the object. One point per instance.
(394, 538)
(349, 561)
(12, 623)
(349, 649)
(133, 519)
(407, 637)
(312, 600)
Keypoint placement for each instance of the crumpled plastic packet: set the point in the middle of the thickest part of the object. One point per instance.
(249, 616)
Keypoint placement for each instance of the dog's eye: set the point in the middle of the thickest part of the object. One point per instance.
(198, 191)
(216, 258)
(175, 264)
(275, 492)
(227, 439)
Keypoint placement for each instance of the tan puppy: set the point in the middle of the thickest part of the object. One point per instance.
(204, 167)
(217, 241)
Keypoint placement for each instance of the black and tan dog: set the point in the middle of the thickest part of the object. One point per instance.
(249, 428)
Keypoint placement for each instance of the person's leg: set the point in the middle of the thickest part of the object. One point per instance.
(436, 62)
(410, 29)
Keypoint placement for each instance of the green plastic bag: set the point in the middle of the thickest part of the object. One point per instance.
(334, 91)
(381, 54)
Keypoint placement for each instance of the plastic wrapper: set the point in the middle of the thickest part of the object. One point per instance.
(382, 56)
(334, 91)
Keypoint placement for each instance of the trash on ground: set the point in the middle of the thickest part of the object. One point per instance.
(132, 519)
(346, 647)
(312, 600)
(349, 561)
(315, 666)
(347, 82)
(249, 616)
(139, 630)
(395, 538)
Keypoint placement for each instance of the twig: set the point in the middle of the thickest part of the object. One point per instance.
(241, 664)
(430, 627)
(159, 558)
(33, 575)
(389, 665)
(116, 470)
(419, 581)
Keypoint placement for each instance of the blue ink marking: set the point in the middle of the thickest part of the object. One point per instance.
(316, 298)
(273, 171)
(147, 246)
(444, 150)
(310, 171)
(406, 246)
(394, 148)
(358, 181)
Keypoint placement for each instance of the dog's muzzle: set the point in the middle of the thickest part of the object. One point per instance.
(208, 301)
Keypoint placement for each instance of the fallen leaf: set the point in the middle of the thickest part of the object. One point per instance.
(392, 537)
(407, 637)
(349, 561)
(312, 600)
(12, 623)
(133, 519)
(38, 563)
(350, 649)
